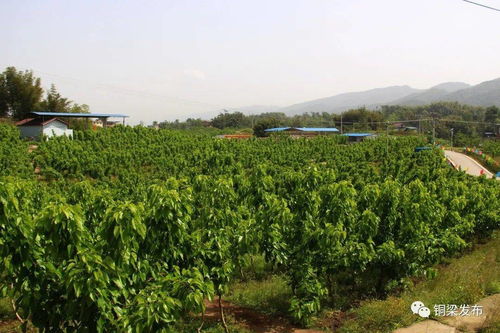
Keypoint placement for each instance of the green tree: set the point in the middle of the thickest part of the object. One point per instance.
(261, 125)
(20, 93)
(79, 123)
(54, 102)
(230, 119)
(490, 116)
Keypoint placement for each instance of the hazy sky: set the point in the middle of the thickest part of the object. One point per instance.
(157, 60)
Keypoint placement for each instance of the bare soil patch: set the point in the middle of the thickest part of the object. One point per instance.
(253, 320)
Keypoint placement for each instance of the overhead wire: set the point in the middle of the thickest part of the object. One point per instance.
(128, 91)
(481, 5)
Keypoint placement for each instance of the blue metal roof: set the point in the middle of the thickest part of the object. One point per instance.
(318, 129)
(277, 129)
(79, 115)
(358, 134)
(302, 129)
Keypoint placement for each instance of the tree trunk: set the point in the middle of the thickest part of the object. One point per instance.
(223, 320)
(15, 311)
(202, 321)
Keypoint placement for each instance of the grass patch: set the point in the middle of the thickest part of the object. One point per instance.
(463, 280)
(191, 326)
(494, 327)
(6, 309)
(271, 295)
(255, 267)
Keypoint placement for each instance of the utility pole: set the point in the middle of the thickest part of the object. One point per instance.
(341, 127)
(433, 130)
(387, 136)
(451, 138)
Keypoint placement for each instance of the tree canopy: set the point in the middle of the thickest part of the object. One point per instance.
(20, 93)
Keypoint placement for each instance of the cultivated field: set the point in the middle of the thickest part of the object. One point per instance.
(134, 229)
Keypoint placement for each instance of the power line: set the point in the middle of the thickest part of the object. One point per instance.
(465, 121)
(417, 120)
(128, 91)
(479, 4)
(385, 122)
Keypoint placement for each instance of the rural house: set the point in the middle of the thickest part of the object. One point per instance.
(36, 127)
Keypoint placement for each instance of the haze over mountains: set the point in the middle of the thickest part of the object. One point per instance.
(484, 94)
(432, 94)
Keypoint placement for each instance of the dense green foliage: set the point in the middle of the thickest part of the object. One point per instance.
(20, 93)
(132, 228)
(492, 148)
(14, 159)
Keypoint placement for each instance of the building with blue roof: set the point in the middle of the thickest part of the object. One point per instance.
(358, 137)
(303, 131)
(78, 115)
(103, 117)
(48, 123)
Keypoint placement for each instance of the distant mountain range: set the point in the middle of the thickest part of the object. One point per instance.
(342, 102)
(484, 94)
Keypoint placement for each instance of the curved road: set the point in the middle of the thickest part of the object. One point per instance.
(467, 163)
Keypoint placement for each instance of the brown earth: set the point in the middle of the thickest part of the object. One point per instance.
(9, 325)
(253, 320)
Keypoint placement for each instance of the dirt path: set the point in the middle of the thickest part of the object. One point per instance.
(31, 148)
(9, 325)
(253, 320)
(250, 319)
(466, 163)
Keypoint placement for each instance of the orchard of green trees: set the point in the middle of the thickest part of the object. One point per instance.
(131, 229)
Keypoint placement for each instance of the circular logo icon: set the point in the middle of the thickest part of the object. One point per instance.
(415, 306)
(424, 312)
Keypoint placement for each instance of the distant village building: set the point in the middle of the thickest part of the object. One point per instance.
(358, 137)
(303, 131)
(234, 136)
(99, 123)
(36, 127)
(49, 124)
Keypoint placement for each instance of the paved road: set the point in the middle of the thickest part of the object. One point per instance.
(467, 163)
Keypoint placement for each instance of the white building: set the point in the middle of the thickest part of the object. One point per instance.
(36, 127)
(104, 123)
